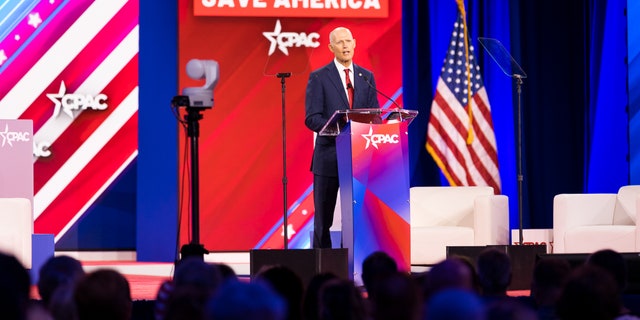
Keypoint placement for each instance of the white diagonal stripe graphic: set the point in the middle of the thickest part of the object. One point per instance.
(85, 153)
(22, 95)
(94, 84)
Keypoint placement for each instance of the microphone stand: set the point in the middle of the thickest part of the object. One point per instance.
(512, 69)
(379, 92)
(283, 76)
(519, 155)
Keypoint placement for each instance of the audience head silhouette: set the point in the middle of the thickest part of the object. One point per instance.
(447, 274)
(340, 299)
(194, 282)
(376, 267)
(103, 295)
(226, 272)
(203, 291)
(310, 301)
(589, 293)
(14, 288)
(454, 304)
(287, 284)
(494, 272)
(549, 276)
(397, 298)
(57, 272)
(237, 300)
(613, 262)
(509, 309)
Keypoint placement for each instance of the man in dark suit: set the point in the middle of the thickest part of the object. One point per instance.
(329, 89)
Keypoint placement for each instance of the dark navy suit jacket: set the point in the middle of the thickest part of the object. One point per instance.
(325, 95)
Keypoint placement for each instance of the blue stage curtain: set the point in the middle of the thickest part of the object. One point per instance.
(573, 100)
(607, 139)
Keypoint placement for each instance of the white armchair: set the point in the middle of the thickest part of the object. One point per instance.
(585, 223)
(16, 228)
(455, 216)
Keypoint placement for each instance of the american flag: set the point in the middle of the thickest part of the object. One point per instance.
(462, 142)
(71, 66)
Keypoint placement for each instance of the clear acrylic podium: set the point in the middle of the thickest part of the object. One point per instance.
(373, 169)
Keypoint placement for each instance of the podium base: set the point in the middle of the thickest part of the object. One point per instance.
(523, 260)
(305, 262)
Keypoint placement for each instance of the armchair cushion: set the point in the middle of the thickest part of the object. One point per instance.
(588, 239)
(431, 252)
(16, 228)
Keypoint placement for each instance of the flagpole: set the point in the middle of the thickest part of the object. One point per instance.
(463, 12)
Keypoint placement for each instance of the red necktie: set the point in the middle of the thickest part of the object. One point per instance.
(349, 88)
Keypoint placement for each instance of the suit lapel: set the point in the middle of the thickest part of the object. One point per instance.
(361, 87)
(334, 76)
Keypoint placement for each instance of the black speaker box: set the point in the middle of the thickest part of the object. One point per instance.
(523, 260)
(305, 262)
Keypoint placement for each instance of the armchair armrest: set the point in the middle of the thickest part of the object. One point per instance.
(491, 220)
(637, 222)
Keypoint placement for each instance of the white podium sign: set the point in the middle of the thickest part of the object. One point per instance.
(16, 181)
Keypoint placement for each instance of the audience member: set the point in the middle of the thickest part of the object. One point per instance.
(287, 284)
(211, 291)
(194, 282)
(310, 300)
(475, 281)
(509, 309)
(614, 263)
(451, 273)
(103, 295)
(162, 299)
(548, 278)
(56, 282)
(36, 311)
(14, 288)
(589, 293)
(237, 300)
(494, 273)
(454, 304)
(226, 272)
(340, 299)
(397, 298)
(376, 267)
(55, 272)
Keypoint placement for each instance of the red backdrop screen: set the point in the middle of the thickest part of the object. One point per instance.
(241, 137)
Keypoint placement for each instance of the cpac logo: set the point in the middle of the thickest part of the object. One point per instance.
(9, 137)
(374, 139)
(41, 149)
(70, 102)
(286, 40)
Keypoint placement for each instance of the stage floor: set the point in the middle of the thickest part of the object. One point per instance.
(146, 277)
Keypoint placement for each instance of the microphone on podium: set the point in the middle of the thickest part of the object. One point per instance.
(378, 91)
